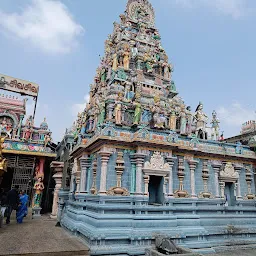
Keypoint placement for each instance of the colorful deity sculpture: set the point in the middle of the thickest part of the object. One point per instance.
(172, 121)
(115, 62)
(200, 119)
(137, 112)
(183, 121)
(38, 187)
(118, 110)
(126, 58)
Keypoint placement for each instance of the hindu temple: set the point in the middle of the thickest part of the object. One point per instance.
(145, 164)
(26, 148)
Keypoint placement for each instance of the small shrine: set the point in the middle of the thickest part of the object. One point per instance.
(145, 164)
(26, 147)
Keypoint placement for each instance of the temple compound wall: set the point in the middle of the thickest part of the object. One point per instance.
(144, 164)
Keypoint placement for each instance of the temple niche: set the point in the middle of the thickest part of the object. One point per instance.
(145, 158)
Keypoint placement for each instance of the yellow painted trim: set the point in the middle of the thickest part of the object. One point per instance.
(19, 152)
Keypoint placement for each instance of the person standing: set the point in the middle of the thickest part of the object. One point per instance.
(3, 201)
(13, 201)
(23, 207)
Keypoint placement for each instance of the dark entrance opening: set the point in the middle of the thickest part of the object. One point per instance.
(156, 194)
(230, 194)
(6, 183)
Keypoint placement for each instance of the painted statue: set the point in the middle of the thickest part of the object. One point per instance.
(38, 187)
(126, 59)
(189, 118)
(6, 128)
(128, 94)
(115, 62)
(134, 49)
(118, 110)
(102, 109)
(183, 121)
(137, 112)
(47, 139)
(172, 121)
(158, 118)
(200, 119)
(147, 61)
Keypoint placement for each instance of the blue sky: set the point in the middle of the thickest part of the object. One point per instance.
(57, 44)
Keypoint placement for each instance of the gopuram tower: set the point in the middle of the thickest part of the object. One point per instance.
(144, 164)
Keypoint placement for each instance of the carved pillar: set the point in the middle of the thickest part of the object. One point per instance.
(192, 166)
(181, 174)
(58, 172)
(93, 189)
(222, 189)
(77, 174)
(216, 165)
(205, 176)
(238, 169)
(139, 163)
(119, 169)
(146, 182)
(248, 179)
(85, 162)
(104, 168)
(133, 174)
(165, 184)
(170, 161)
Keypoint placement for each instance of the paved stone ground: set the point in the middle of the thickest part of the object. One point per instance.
(38, 237)
(250, 252)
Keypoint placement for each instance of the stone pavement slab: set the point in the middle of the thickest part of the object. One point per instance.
(38, 237)
(249, 252)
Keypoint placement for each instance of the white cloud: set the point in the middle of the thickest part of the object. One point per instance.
(79, 107)
(234, 8)
(235, 115)
(46, 24)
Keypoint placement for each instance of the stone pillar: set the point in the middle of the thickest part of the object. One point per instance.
(192, 166)
(104, 168)
(58, 172)
(133, 174)
(77, 174)
(139, 163)
(205, 177)
(248, 179)
(222, 189)
(181, 174)
(216, 165)
(170, 161)
(146, 182)
(238, 169)
(85, 163)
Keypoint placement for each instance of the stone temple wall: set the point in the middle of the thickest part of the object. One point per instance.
(119, 219)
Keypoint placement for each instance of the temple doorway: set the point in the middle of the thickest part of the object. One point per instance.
(156, 194)
(6, 183)
(230, 194)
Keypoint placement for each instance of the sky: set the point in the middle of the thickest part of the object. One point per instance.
(57, 44)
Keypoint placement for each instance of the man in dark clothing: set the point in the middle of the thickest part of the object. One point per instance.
(12, 201)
